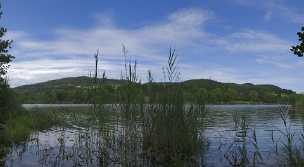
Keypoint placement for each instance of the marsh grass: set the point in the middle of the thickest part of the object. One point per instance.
(21, 124)
(161, 131)
(244, 149)
(171, 136)
(292, 145)
(288, 145)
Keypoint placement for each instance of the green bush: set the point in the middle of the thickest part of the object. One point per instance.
(7, 101)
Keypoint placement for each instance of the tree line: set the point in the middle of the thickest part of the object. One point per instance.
(208, 91)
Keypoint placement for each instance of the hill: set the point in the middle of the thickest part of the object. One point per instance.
(75, 90)
(211, 84)
(71, 82)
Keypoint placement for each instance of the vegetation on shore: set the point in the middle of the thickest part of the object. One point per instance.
(75, 90)
(7, 100)
(22, 123)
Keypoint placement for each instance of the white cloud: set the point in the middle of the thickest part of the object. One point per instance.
(32, 71)
(254, 42)
(70, 51)
(180, 28)
(277, 9)
(274, 62)
(149, 44)
(284, 11)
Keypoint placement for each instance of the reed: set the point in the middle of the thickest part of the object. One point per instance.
(238, 153)
(164, 131)
(22, 123)
(291, 151)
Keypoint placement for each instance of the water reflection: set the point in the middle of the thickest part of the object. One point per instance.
(3, 149)
(221, 136)
(108, 138)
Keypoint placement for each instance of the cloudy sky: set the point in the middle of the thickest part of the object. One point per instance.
(225, 40)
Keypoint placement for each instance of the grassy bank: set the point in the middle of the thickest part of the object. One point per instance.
(21, 124)
(17, 123)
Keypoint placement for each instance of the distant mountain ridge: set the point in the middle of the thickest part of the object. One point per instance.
(211, 84)
(208, 84)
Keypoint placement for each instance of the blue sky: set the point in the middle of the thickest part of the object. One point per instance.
(226, 40)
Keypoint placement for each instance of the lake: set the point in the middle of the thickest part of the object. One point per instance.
(223, 135)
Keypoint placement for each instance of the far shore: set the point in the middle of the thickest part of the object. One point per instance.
(30, 106)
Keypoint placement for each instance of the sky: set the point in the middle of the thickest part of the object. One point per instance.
(237, 41)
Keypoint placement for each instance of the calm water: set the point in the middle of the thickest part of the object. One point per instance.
(31, 106)
(115, 140)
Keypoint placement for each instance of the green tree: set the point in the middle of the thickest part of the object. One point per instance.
(5, 57)
(299, 49)
(230, 95)
(201, 96)
(253, 96)
(6, 96)
(216, 95)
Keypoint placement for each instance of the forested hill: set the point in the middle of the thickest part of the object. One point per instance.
(72, 82)
(211, 84)
(75, 90)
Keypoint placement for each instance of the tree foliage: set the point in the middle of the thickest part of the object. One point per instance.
(75, 90)
(6, 95)
(5, 57)
(299, 49)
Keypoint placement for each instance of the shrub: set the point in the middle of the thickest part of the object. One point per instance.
(7, 100)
